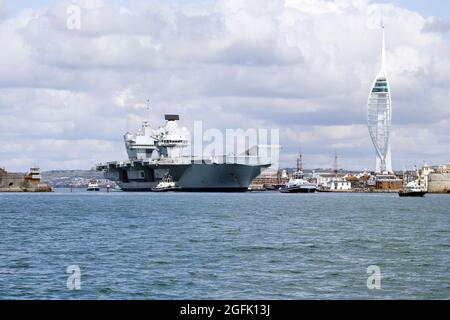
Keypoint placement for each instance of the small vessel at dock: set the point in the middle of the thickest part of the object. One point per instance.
(412, 189)
(297, 183)
(167, 184)
(93, 185)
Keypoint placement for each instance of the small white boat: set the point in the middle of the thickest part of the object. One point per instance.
(412, 189)
(166, 184)
(298, 185)
(93, 185)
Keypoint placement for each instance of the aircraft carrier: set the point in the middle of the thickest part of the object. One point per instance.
(154, 154)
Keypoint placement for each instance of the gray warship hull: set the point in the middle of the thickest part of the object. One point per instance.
(141, 176)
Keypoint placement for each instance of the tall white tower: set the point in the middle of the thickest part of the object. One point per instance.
(379, 116)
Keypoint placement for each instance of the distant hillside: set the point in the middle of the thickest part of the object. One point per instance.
(71, 178)
(87, 174)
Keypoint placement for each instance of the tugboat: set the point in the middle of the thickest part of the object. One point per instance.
(297, 184)
(412, 189)
(167, 184)
(93, 185)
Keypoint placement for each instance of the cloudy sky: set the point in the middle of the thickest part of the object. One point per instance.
(303, 66)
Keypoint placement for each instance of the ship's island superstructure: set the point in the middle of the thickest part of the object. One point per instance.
(156, 153)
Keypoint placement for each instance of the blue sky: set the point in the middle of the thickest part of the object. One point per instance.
(16, 6)
(438, 8)
(429, 8)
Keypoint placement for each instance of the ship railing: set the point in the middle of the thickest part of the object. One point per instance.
(178, 160)
(237, 159)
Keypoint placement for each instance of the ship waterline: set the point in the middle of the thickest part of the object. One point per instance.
(213, 177)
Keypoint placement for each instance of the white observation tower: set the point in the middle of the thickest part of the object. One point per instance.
(379, 116)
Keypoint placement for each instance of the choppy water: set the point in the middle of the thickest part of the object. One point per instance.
(223, 246)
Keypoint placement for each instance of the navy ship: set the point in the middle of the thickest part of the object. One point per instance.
(156, 153)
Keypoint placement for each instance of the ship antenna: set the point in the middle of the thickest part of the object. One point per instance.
(148, 108)
(383, 53)
(335, 164)
(300, 161)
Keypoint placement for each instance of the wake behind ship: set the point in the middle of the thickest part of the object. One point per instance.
(154, 154)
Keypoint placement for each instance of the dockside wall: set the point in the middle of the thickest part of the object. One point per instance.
(438, 182)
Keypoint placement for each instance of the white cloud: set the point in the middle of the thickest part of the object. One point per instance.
(67, 96)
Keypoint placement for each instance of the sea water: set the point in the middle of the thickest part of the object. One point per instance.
(98, 245)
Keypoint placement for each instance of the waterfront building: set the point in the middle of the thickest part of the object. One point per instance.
(436, 179)
(331, 181)
(388, 183)
(268, 179)
(339, 185)
(19, 182)
(379, 116)
(322, 178)
(355, 182)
